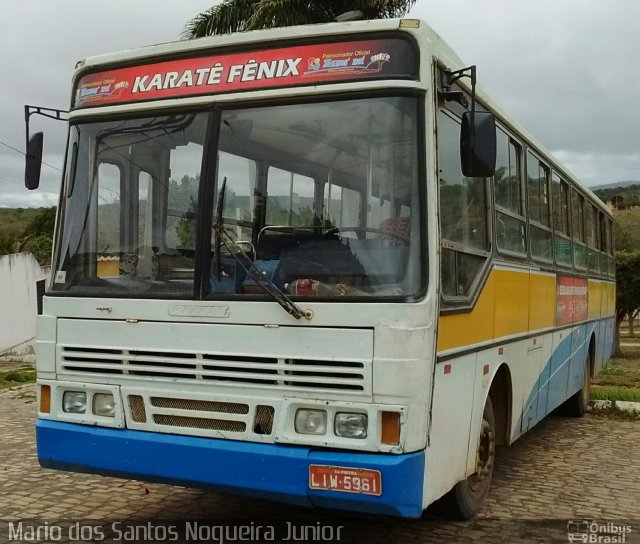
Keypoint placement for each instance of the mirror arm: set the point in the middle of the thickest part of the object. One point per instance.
(51, 113)
(470, 72)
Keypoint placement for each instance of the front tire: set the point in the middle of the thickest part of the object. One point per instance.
(467, 497)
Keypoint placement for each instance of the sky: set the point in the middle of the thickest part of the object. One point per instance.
(564, 69)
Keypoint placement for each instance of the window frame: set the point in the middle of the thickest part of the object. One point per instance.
(578, 242)
(546, 193)
(462, 302)
(501, 210)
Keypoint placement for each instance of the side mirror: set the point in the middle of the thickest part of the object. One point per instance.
(478, 144)
(33, 162)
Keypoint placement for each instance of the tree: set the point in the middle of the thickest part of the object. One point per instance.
(36, 237)
(627, 230)
(243, 15)
(627, 288)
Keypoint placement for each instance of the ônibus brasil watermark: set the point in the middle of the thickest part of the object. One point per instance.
(597, 532)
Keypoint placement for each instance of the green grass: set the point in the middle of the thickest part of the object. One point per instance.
(619, 380)
(620, 372)
(615, 393)
(17, 377)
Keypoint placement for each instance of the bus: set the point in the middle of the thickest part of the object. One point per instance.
(318, 266)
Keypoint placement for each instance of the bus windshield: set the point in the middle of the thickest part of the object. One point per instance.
(321, 199)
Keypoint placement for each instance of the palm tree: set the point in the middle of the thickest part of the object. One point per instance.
(241, 15)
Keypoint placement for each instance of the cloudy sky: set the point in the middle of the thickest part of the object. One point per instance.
(565, 69)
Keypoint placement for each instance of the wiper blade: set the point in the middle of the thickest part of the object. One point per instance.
(222, 237)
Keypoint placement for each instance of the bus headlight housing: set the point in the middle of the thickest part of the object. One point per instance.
(74, 402)
(104, 405)
(311, 421)
(351, 425)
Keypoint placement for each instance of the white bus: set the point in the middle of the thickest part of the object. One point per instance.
(314, 265)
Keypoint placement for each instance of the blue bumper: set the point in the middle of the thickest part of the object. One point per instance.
(267, 471)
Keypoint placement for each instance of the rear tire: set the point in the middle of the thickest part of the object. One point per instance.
(576, 406)
(467, 497)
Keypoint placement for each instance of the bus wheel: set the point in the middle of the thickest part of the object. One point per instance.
(466, 498)
(576, 406)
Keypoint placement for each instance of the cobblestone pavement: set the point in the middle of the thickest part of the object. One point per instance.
(564, 469)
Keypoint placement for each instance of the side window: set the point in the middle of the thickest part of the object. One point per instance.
(560, 205)
(539, 208)
(463, 214)
(602, 243)
(108, 220)
(342, 206)
(577, 230)
(591, 225)
(510, 222)
(561, 240)
(145, 210)
(182, 197)
(610, 260)
(239, 198)
(290, 198)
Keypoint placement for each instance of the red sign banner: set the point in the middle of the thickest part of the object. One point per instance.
(572, 300)
(215, 73)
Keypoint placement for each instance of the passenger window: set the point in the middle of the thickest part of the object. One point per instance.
(560, 205)
(591, 225)
(561, 240)
(341, 206)
(539, 208)
(577, 230)
(182, 197)
(507, 176)
(463, 215)
(510, 223)
(108, 223)
(239, 198)
(463, 211)
(290, 198)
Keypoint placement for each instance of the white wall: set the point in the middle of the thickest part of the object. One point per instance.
(18, 302)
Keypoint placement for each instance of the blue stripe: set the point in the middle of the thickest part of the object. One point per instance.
(563, 373)
(269, 471)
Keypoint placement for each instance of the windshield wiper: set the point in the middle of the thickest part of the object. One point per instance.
(223, 238)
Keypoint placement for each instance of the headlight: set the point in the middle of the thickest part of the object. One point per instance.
(350, 425)
(74, 402)
(311, 421)
(104, 405)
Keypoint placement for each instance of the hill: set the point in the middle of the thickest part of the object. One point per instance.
(15, 220)
(622, 197)
(614, 185)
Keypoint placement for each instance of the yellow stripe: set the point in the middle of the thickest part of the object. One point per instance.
(515, 302)
(595, 298)
(511, 302)
(469, 328)
(542, 302)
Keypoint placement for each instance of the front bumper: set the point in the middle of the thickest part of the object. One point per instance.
(267, 471)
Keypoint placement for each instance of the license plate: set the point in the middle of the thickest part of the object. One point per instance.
(349, 480)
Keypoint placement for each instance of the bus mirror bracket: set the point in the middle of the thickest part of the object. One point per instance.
(478, 132)
(33, 156)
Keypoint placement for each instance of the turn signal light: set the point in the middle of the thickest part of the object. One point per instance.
(45, 399)
(390, 428)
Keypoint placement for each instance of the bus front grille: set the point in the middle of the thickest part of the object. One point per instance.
(198, 416)
(272, 372)
(200, 423)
